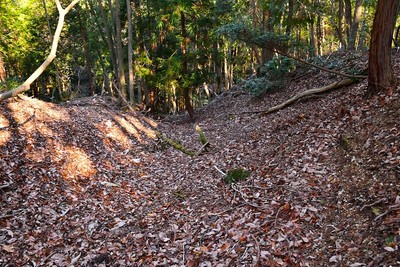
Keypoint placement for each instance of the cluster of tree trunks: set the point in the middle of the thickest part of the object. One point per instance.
(380, 74)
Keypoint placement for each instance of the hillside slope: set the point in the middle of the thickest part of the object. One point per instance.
(84, 184)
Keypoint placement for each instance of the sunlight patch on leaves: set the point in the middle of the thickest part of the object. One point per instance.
(77, 163)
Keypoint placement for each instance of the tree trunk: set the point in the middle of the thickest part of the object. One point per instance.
(289, 17)
(186, 88)
(130, 53)
(254, 47)
(118, 42)
(380, 75)
(86, 51)
(2, 70)
(266, 54)
(320, 34)
(109, 38)
(312, 45)
(339, 28)
(355, 21)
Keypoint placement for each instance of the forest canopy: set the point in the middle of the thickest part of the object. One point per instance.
(174, 55)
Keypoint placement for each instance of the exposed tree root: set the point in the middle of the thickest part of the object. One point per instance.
(332, 86)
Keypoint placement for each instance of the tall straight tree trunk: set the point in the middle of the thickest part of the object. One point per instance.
(339, 27)
(355, 22)
(186, 88)
(109, 38)
(2, 70)
(289, 17)
(267, 54)
(380, 75)
(86, 51)
(140, 49)
(120, 57)
(364, 31)
(348, 18)
(217, 67)
(130, 53)
(320, 34)
(312, 45)
(254, 47)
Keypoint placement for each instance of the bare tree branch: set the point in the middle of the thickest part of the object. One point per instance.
(26, 85)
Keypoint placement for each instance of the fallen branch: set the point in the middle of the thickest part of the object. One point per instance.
(390, 209)
(373, 204)
(189, 152)
(5, 186)
(323, 89)
(176, 145)
(203, 147)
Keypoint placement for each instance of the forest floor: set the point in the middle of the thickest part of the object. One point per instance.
(84, 184)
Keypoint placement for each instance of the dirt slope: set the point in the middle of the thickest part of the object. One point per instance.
(84, 184)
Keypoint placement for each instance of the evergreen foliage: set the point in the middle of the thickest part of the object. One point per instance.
(236, 175)
(223, 41)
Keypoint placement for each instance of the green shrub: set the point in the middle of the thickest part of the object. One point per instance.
(277, 68)
(10, 84)
(260, 86)
(236, 175)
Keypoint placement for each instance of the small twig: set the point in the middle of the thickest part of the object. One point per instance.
(219, 170)
(201, 149)
(276, 216)
(224, 211)
(6, 216)
(245, 200)
(376, 260)
(257, 262)
(5, 186)
(395, 221)
(391, 208)
(184, 252)
(372, 204)
(244, 255)
(48, 257)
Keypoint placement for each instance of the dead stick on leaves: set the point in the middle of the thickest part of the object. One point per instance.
(326, 88)
(329, 87)
(257, 245)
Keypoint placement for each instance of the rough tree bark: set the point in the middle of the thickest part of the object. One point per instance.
(130, 53)
(380, 72)
(355, 22)
(2, 70)
(118, 44)
(26, 85)
(86, 50)
(186, 92)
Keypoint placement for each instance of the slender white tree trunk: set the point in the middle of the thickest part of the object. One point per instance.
(26, 85)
